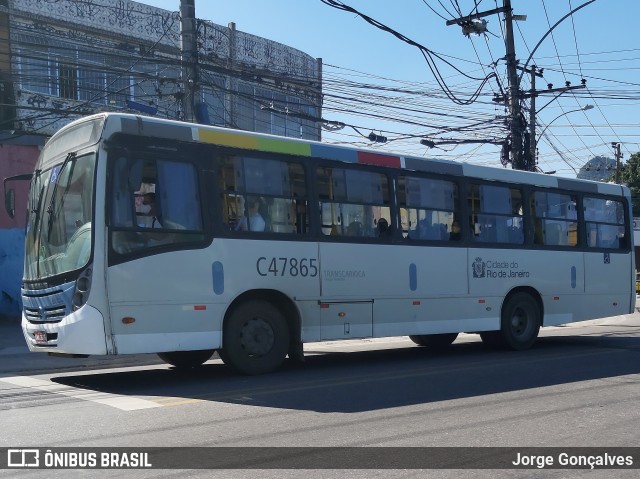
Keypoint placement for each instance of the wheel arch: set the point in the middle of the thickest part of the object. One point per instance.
(531, 292)
(280, 301)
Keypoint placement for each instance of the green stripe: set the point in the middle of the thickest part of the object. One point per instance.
(284, 146)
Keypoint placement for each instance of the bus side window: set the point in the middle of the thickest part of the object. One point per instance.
(497, 214)
(352, 201)
(428, 208)
(159, 205)
(280, 186)
(604, 223)
(554, 219)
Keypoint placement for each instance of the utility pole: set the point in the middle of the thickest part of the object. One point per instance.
(189, 56)
(532, 120)
(618, 155)
(530, 165)
(514, 90)
(472, 24)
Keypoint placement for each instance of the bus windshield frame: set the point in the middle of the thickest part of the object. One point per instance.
(61, 204)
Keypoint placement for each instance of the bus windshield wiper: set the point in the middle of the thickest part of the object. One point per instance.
(50, 208)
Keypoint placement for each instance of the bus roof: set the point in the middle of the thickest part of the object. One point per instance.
(182, 131)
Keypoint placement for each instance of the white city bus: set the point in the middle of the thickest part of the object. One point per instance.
(155, 236)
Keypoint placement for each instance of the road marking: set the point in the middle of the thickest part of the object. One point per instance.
(118, 401)
(175, 401)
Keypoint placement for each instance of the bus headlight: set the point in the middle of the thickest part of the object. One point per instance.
(83, 286)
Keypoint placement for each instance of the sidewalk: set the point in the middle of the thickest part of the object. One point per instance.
(11, 338)
(16, 359)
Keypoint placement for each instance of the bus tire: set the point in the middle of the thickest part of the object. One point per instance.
(520, 321)
(435, 341)
(186, 359)
(255, 338)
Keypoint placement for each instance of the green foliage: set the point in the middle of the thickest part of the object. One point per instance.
(630, 175)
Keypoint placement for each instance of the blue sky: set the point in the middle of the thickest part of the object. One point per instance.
(598, 44)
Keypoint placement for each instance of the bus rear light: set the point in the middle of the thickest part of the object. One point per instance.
(128, 320)
(481, 301)
(416, 303)
(199, 307)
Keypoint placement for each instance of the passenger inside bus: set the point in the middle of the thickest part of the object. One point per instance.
(149, 199)
(383, 227)
(255, 221)
(456, 232)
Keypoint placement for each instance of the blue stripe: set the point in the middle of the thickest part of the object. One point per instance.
(218, 277)
(334, 153)
(413, 277)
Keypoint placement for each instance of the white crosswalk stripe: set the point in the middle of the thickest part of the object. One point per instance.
(124, 403)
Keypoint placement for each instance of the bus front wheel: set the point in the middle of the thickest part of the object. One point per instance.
(255, 338)
(435, 341)
(186, 359)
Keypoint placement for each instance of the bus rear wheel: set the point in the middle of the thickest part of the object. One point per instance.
(435, 341)
(520, 321)
(255, 338)
(186, 359)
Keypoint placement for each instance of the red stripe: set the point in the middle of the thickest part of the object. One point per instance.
(377, 159)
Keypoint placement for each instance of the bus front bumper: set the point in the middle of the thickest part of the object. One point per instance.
(79, 333)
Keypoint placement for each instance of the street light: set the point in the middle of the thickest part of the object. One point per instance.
(536, 141)
(584, 108)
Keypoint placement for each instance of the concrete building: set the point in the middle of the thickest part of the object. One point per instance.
(63, 59)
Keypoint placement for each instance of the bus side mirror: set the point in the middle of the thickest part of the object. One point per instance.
(10, 202)
(10, 194)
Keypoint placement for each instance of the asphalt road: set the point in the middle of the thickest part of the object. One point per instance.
(578, 387)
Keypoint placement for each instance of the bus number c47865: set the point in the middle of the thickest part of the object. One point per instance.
(305, 267)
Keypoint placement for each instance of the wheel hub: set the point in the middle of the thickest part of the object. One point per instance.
(519, 323)
(257, 337)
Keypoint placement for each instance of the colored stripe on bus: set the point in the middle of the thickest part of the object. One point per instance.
(378, 159)
(224, 138)
(282, 146)
(239, 140)
(333, 153)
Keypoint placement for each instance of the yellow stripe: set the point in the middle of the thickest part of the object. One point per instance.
(239, 140)
(228, 139)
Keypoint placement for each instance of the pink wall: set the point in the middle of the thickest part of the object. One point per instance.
(16, 160)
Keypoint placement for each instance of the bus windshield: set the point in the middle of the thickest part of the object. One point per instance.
(58, 238)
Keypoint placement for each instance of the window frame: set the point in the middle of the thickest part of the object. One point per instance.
(316, 202)
(223, 229)
(181, 152)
